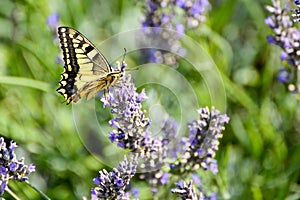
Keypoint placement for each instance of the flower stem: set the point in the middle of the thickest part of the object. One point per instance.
(38, 191)
(12, 193)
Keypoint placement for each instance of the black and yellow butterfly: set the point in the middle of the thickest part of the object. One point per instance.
(86, 70)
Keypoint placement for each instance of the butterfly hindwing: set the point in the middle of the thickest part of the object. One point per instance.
(86, 70)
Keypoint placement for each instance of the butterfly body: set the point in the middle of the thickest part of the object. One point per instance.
(86, 70)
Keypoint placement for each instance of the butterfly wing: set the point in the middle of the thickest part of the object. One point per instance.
(85, 67)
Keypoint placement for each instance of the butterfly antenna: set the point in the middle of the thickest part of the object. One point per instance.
(133, 69)
(123, 61)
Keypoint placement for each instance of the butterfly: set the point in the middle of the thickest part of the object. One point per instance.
(86, 70)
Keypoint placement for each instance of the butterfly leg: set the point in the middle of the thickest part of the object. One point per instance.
(106, 94)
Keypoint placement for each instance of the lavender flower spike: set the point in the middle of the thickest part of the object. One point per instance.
(296, 14)
(112, 185)
(10, 167)
(130, 122)
(287, 37)
(187, 191)
(200, 148)
(170, 19)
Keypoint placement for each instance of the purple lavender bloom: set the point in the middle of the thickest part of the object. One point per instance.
(283, 75)
(180, 28)
(283, 56)
(213, 196)
(13, 166)
(142, 96)
(296, 14)
(131, 132)
(130, 119)
(176, 15)
(135, 192)
(2, 187)
(187, 191)
(12, 146)
(30, 169)
(10, 167)
(113, 137)
(213, 167)
(59, 60)
(119, 182)
(271, 39)
(112, 185)
(97, 180)
(3, 170)
(53, 22)
(180, 3)
(196, 9)
(165, 178)
(196, 179)
(200, 149)
(287, 37)
(270, 22)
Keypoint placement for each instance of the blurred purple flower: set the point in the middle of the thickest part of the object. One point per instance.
(271, 39)
(196, 179)
(165, 178)
(53, 22)
(287, 37)
(283, 75)
(169, 20)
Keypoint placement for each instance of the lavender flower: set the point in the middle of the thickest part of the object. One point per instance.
(288, 38)
(112, 185)
(133, 194)
(296, 14)
(10, 167)
(162, 156)
(170, 19)
(131, 132)
(53, 22)
(200, 148)
(129, 122)
(187, 191)
(157, 160)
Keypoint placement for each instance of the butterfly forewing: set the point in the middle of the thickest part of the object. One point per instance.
(86, 70)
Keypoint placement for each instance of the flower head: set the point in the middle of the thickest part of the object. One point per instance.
(200, 148)
(169, 20)
(287, 37)
(112, 185)
(186, 191)
(296, 14)
(157, 158)
(53, 22)
(10, 167)
(130, 122)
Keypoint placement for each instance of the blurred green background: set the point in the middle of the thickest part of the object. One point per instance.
(259, 156)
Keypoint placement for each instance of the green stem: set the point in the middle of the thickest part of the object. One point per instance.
(38, 191)
(12, 193)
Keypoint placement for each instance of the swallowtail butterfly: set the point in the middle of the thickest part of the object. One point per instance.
(86, 70)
